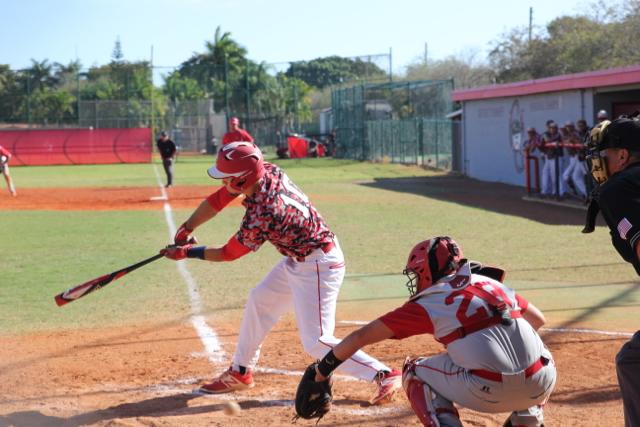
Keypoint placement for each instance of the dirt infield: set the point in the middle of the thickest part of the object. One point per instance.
(145, 376)
(105, 198)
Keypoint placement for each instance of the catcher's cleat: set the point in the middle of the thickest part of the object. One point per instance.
(229, 381)
(388, 384)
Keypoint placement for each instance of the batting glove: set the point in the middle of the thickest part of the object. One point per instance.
(183, 236)
(176, 252)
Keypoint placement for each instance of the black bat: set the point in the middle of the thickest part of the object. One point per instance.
(93, 285)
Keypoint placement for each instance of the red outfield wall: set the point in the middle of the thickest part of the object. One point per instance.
(77, 146)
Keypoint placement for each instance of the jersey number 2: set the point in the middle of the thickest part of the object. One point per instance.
(480, 313)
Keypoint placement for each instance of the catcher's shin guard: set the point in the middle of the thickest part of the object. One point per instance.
(432, 409)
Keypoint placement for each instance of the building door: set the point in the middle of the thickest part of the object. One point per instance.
(624, 108)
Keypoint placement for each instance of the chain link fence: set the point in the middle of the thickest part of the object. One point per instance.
(403, 122)
(425, 142)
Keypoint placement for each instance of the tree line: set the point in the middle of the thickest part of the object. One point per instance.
(48, 93)
(604, 35)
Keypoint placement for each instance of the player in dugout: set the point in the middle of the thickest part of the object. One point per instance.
(495, 360)
(306, 280)
(614, 158)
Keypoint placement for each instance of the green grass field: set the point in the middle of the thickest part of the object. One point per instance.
(575, 279)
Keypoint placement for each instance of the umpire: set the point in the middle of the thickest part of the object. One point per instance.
(614, 157)
(167, 150)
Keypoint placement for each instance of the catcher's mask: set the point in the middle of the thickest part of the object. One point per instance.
(431, 260)
(596, 157)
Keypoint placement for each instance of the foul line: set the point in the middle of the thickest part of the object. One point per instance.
(207, 335)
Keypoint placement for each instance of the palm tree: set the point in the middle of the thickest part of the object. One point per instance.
(39, 74)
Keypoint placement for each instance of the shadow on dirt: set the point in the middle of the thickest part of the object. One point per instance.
(173, 405)
(495, 197)
(588, 397)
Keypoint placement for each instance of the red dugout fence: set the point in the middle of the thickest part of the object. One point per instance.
(77, 146)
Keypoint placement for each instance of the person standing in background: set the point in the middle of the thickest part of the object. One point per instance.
(552, 150)
(167, 150)
(575, 171)
(5, 156)
(236, 133)
(602, 116)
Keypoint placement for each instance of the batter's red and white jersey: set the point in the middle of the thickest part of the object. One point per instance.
(452, 305)
(279, 212)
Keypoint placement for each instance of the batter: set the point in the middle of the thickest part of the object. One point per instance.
(307, 279)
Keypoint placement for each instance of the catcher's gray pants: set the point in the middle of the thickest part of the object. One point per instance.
(168, 168)
(628, 369)
(514, 393)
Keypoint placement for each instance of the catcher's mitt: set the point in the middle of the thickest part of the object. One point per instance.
(313, 399)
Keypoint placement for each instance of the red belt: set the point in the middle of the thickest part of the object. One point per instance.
(326, 248)
(497, 376)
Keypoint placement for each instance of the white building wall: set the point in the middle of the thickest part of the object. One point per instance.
(496, 128)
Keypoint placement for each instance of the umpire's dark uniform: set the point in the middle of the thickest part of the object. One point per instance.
(167, 149)
(619, 201)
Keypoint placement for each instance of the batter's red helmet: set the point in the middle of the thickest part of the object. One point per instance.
(431, 260)
(240, 161)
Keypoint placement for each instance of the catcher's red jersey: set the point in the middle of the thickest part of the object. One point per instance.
(279, 212)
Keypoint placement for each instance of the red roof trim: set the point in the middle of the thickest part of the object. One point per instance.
(591, 79)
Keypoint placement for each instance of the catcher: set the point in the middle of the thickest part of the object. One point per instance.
(5, 156)
(495, 360)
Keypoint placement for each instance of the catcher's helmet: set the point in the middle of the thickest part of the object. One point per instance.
(240, 161)
(431, 260)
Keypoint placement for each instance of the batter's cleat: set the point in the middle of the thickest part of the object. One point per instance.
(388, 384)
(229, 381)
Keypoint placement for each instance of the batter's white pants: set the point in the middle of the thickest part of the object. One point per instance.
(549, 178)
(576, 172)
(514, 393)
(311, 289)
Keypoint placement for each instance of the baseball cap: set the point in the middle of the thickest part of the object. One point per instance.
(623, 132)
(164, 133)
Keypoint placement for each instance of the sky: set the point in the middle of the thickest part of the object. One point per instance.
(274, 31)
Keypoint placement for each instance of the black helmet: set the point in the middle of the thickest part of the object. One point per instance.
(623, 132)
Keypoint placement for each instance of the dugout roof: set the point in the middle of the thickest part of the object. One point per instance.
(592, 79)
